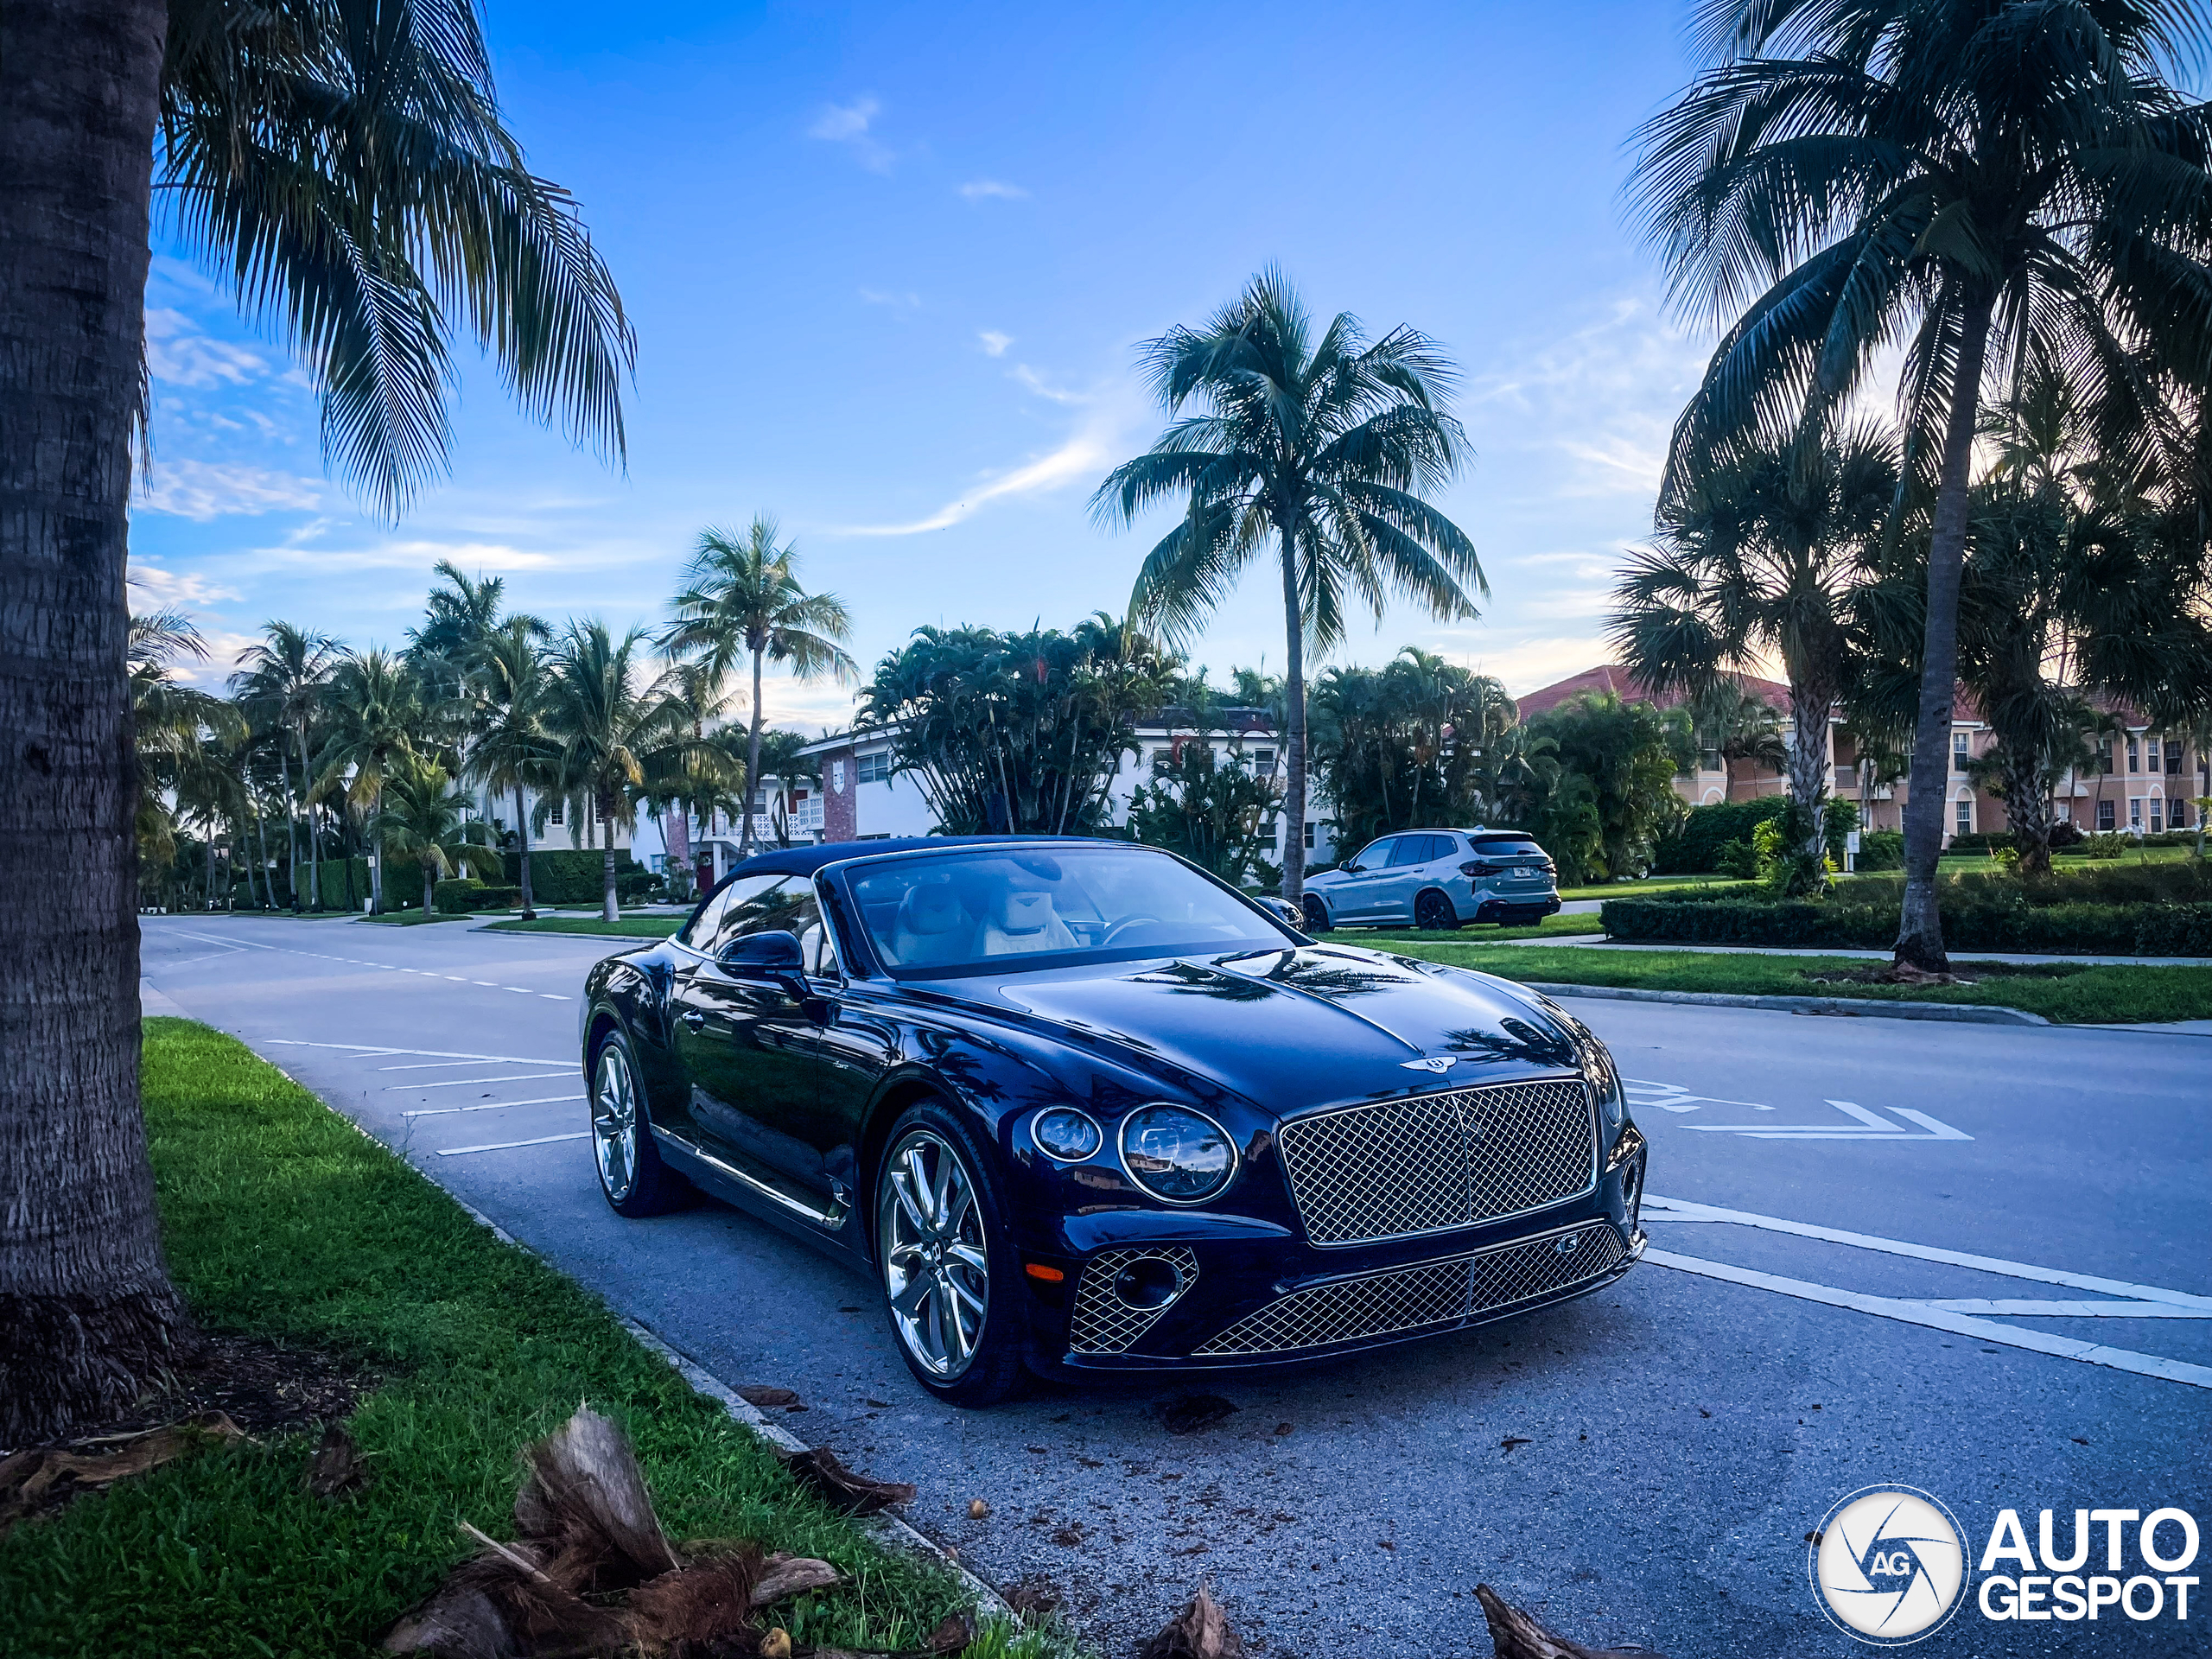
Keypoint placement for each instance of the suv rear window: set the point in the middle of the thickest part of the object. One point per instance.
(1505, 847)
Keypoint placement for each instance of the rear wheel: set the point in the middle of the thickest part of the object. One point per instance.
(952, 1286)
(1432, 912)
(1317, 915)
(631, 1173)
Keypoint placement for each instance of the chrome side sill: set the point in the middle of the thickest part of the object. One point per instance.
(832, 1218)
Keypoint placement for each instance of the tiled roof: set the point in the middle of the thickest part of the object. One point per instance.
(1613, 677)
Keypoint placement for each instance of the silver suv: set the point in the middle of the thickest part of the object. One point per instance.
(1435, 879)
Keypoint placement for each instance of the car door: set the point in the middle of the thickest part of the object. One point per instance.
(1401, 879)
(749, 1049)
(1359, 897)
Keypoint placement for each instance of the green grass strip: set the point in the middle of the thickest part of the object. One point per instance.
(629, 927)
(281, 1222)
(2066, 994)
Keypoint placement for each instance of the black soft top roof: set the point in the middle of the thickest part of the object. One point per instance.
(805, 860)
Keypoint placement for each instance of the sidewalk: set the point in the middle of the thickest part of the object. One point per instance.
(1592, 942)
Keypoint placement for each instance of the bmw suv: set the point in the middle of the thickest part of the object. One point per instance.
(1435, 879)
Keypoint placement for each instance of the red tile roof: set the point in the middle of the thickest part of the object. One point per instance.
(1613, 677)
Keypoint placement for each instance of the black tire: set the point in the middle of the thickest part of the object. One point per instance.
(995, 1366)
(1317, 915)
(652, 1189)
(1434, 912)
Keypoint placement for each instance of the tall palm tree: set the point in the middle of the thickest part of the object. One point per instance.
(288, 677)
(1947, 175)
(605, 713)
(345, 168)
(1758, 555)
(510, 748)
(423, 821)
(1739, 726)
(742, 599)
(375, 711)
(1321, 451)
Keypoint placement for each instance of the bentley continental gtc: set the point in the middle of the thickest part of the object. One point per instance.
(1077, 1108)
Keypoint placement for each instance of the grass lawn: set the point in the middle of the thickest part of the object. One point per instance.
(1388, 938)
(284, 1224)
(414, 918)
(630, 927)
(2064, 992)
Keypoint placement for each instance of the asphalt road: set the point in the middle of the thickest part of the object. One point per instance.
(1640, 1466)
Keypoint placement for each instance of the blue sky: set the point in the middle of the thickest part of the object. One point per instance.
(888, 266)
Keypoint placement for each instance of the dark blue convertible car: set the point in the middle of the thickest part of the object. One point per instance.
(1078, 1107)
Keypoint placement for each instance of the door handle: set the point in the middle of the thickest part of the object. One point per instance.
(694, 1019)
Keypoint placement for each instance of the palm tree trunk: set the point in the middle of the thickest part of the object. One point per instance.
(1809, 703)
(429, 890)
(608, 907)
(291, 827)
(268, 899)
(752, 764)
(88, 1317)
(2027, 808)
(314, 853)
(1294, 699)
(1920, 926)
(522, 859)
(376, 859)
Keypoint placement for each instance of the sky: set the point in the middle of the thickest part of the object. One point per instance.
(889, 267)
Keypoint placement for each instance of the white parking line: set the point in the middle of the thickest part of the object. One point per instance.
(371, 1051)
(2015, 1307)
(492, 1106)
(470, 1083)
(505, 1146)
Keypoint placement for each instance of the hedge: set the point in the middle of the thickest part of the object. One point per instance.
(1970, 923)
(570, 877)
(465, 894)
(1881, 849)
(1695, 849)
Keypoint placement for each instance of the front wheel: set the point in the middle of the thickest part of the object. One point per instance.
(631, 1173)
(1432, 913)
(952, 1286)
(1317, 915)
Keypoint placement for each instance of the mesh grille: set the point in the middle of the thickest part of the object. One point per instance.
(1435, 1293)
(1102, 1323)
(1434, 1161)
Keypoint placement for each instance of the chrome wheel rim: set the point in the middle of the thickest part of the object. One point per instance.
(936, 1261)
(614, 1122)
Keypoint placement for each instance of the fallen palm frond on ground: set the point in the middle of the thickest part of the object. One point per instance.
(49, 1476)
(287, 1227)
(1515, 1634)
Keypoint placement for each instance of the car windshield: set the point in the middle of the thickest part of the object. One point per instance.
(935, 915)
(1507, 846)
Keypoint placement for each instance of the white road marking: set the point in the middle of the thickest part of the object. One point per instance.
(493, 1106)
(373, 1050)
(1871, 1126)
(470, 1083)
(1656, 1208)
(2016, 1308)
(1910, 1312)
(505, 1146)
(445, 1065)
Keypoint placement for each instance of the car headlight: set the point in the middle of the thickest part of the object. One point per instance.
(1605, 1081)
(1177, 1154)
(1065, 1134)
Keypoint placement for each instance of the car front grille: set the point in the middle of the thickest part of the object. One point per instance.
(1102, 1323)
(1433, 1295)
(1431, 1162)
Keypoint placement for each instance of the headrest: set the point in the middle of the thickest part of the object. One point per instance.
(932, 908)
(1020, 911)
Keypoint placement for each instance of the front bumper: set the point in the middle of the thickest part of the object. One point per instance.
(1251, 1294)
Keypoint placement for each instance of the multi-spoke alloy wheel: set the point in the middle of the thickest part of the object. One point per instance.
(936, 1256)
(614, 1122)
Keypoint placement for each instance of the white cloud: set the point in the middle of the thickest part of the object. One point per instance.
(980, 190)
(473, 556)
(176, 589)
(201, 490)
(224, 650)
(1037, 382)
(906, 302)
(179, 354)
(995, 343)
(849, 124)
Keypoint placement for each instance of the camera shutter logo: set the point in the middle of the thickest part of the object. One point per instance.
(1888, 1566)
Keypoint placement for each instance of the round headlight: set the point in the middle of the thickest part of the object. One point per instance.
(1065, 1134)
(1177, 1154)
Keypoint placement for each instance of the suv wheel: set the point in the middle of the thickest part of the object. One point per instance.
(1317, 915)
(1432, 913)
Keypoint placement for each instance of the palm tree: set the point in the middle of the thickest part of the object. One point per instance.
(1325, 446)
(375, 708)
(345, 168)
(423, 820)
(510, 748)
(288, 677)
(1758, 557)
(1739, 726)
(1942, 176)
(742, 599)
(605, 714)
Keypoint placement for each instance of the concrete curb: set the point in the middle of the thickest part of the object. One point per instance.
(1869, 1007)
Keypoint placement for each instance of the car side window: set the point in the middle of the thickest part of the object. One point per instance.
(707, 928)
(784, 903)
(1410, 849)
(1375, 854)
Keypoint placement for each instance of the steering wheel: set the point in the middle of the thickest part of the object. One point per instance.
(1124, 926)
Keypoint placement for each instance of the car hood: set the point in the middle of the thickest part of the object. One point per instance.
(1293, 1028)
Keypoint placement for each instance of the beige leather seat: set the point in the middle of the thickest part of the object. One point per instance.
(932, 927)
(1022, 921)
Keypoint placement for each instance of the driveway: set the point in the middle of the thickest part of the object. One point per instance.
(1847, 1216)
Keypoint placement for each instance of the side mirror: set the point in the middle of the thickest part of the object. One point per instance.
(762, 956)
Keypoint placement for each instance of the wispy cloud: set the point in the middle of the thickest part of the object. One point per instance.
(995, 343)
(906, 302)
(1037, 382)
(983, 189)
(172, 589)
(179, 354)
(850, 124)
(200, 490)
(474, 556)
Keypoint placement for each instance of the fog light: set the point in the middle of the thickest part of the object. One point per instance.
(1065, 1134)
(1149, 1284)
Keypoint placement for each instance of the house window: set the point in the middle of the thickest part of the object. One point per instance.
(2104, 759)
(2151, 753)
(1960, 751)
(2135, 815)
(2134, 755)
(1163, 757)
(1708, 759)
(1263, 762)
(2105, 816)
(1965, 817)
(873, 768)
(2178, 815)
(2158, 815)
(553, 816)
(2173, 760)
(1309, 837)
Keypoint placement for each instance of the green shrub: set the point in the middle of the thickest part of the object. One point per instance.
(1988, 919)
(2109, 844)
(1980, 841)
(1739, 859)
(1881, 849)
(2175, 930)
(569, 876)
(498, 898)
(455, 898)
(631, 888)
(1695, 849)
